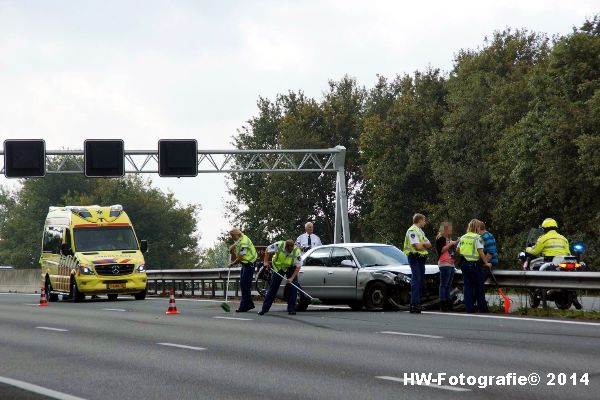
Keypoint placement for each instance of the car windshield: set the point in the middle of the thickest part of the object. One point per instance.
(105, 238)
(370, 256)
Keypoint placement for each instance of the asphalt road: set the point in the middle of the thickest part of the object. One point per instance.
(131, 350)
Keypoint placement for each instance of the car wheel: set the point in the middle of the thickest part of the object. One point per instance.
(76, 295)
(112, 296)
(141, 295)
(356, 305)
(49, 295)
(263, 280)
(534, 300)
(376, 296)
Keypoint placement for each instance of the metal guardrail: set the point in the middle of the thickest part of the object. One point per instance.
(205, 281)
(194, 281)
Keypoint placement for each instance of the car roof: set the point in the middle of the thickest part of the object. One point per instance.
(353, 245)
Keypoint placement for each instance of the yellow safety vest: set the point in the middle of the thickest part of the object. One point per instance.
(245, 242)
(468, 246)
(550, 244)
(408, 247)
(281, 261)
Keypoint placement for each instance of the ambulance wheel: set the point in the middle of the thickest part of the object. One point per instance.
(141, 295)
(112, 296)
(49, 295)
(76, 295)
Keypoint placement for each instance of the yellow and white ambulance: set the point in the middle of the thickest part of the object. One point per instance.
(92, 250)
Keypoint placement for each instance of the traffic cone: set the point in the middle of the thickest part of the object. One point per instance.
(43, 301)
(505, 301)
(172, 307)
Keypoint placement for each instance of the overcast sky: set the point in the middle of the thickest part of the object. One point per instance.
(146, 70)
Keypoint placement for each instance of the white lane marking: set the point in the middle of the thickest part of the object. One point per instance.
(515, 318)
(411, 334)
(114, 309)
(181, 346)
(235, 318)
(31, 304)
(21, 294)
(38, 389)
(47, 328)
(443, 387)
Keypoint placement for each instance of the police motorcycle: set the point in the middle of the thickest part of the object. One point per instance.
(563, 298)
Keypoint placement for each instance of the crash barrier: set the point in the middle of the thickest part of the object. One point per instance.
(195, 282)
(545, 279)
(20, 280)
(212, 281)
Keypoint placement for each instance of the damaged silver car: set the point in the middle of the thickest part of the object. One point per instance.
(371, 275)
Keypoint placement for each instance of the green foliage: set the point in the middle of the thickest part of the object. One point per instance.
(216, 256)
(276, 206)
(510, 136)
(156, 216)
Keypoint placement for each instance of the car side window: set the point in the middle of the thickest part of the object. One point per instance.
(339, 254)
(52, 239)
(318, 258)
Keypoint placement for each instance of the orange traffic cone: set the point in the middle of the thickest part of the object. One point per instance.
(43, 301)
(505, 301)
(172, 307)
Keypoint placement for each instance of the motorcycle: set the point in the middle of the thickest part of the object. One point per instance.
(563, 298)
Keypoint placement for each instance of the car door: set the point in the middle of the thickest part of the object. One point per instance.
(312, 273)
(340, 277)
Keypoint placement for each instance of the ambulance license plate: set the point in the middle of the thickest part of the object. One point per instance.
(116, 286)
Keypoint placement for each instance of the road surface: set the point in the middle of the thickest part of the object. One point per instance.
(130, 349)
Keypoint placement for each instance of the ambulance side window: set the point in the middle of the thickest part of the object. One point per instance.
(52, 239)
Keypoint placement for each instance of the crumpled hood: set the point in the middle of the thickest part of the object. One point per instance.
(403, 268)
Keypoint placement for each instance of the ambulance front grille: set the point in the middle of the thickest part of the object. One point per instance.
(114, 269)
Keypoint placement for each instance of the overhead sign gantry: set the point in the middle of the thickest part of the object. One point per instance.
(175, 158)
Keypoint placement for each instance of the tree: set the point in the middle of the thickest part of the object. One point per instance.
(276, 206)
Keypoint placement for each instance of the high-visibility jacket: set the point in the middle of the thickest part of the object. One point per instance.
(245, 243)
(467, 246)
(282, 261)
(409, 248)
(550, 244)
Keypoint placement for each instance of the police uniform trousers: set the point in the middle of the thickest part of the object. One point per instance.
(417, 269)
(246, 275)
(292, 292)
(474, 285)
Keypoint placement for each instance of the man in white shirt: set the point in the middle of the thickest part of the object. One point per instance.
(308, 240)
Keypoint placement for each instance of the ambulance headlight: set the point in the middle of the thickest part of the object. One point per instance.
(141, 268)
(85, 270)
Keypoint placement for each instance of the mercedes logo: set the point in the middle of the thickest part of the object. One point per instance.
(115, 270)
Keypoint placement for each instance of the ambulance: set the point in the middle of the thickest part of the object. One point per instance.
(92, 250)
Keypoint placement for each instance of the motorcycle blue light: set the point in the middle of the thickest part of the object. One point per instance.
(579, 247)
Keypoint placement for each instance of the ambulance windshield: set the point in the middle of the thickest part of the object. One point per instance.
(105, 238)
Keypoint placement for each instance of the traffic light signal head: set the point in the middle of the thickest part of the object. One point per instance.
(104, 158)
(24, 158)
(177, 157)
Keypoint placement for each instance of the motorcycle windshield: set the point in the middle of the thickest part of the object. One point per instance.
(533, 235)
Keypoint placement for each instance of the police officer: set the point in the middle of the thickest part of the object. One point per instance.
(415, 247)
(285, 257)
(472, 262)
(308, 240)
(551, 243)
(244, 252)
